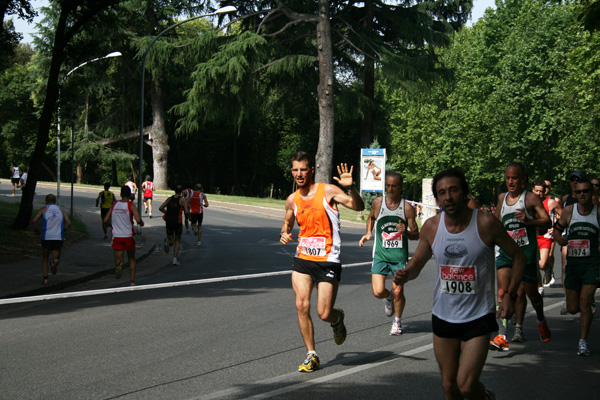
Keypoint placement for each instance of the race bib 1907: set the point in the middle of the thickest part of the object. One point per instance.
(578, 248)
(392, 240)
(519, 236)
(313, 246)
(458, 280)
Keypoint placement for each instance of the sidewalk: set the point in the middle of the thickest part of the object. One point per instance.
(92, 258)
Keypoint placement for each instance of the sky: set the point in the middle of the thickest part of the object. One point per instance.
(479, 7)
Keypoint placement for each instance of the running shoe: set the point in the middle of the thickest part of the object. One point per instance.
(549, 279)
(584, 350)
(175, 261)
(45, 281)
(150, 216)
(105, 236)
(489, 394)
(166, 245)
(119, 270)
(545, 333)
(310, 364)
(396, 329)
(145, 210)
(389, 307)
(131, 283)
(518, 336)
(198, 243)
(339, 329)
(499, 343)
(541, 291)
(52, 265)
(564, 310)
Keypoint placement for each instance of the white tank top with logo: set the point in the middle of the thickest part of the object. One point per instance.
(465, 279)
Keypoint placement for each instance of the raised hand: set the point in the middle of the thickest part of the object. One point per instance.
(345, 179)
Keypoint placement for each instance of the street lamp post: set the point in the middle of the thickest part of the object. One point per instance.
(222, 10)
(109, 55)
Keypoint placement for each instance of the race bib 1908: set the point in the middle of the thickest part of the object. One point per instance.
(458, 280)
(313, 246)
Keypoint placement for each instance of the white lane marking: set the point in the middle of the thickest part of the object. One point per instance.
(236, 392)
(28, 299)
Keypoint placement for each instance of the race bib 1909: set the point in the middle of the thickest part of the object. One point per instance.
(313, 246)
(391, 240)
(519, 236)
(578, 248)
(458, 280)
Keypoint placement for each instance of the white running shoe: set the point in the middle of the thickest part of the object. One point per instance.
(198, 243)
(389, 307)
(396, 329)
(564, 310)
(584, 350)
(175, 261)
(541, 291)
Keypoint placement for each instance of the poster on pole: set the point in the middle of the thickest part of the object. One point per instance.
(372, 170)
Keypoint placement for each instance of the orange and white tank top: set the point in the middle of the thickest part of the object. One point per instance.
(319, 238)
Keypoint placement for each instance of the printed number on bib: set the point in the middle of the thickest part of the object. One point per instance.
(313, 246)
(519, 236)
(458, 280)
(392, 240)
(578, 248)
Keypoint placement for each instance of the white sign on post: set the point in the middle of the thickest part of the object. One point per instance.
(372, 170)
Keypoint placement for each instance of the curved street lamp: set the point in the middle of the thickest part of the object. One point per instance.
(109, 55)
(222, 10)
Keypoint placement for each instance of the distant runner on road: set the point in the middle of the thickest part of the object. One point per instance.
(53, 234)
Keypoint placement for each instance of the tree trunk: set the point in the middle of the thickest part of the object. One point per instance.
(366, 134)
(323, 159)
(158, 137)
(35, 165)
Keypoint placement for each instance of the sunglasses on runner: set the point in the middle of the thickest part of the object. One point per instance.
(582, 191)
(596, 184)
(575, 179)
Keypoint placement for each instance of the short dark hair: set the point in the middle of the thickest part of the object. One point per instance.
(518, 165)
(125, 191)
(450, 173)
(50, 199)
(106, 186)
(540, 182)
(396, 175)
(148, 178)
(303, 156)
(178, 189)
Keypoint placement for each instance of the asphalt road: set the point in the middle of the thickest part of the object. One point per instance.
(233, 334)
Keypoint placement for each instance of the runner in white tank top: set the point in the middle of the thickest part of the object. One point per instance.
(462, 241)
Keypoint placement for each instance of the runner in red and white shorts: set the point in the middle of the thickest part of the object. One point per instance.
(121, 217)
(544, 237)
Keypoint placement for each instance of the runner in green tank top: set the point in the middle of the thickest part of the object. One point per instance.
(393, 221)
(521, 212)
(582, 270)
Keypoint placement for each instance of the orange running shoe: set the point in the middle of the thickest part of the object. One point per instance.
(545, 333)
(499, 343)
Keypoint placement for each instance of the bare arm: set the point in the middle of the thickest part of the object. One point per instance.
(107, 217)
(422, 254)
(353, 201)
(413, 228)
(375, 207)
(288, 221)
(163, 206)
(541, 218)
(136, 215)
(561, 225)
(66, 217)
(39, 214)
(205, 200)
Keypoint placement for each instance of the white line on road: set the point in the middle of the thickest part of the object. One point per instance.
(28, 299)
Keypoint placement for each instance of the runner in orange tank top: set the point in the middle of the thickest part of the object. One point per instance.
(317, 259)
